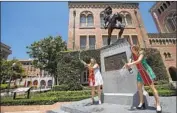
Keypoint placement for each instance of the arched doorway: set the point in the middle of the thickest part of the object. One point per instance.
(28, 83)
(173, 73)
(35, 82)
(42, 84)
(49, 83)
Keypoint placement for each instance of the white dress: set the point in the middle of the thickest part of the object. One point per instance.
(98, 76)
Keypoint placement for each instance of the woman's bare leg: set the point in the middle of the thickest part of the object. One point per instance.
(99, 92)
(156, 96)
(140, 91)
(93, 93)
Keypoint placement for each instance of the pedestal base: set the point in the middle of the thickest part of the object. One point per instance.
(124, 99)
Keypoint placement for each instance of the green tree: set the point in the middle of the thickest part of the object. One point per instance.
(10, 72)
(45, 53)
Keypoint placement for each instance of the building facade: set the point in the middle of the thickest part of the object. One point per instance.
(35, 76)
(164, 14)
(86, 24)
(86, 28)
(5, 50)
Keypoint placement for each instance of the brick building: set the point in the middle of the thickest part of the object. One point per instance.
(86, 27)
(5, 50)
(35, 76)
(165, 17)
(86, 24)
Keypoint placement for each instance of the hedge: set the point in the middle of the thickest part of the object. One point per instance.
(69, 67)
(47, 98)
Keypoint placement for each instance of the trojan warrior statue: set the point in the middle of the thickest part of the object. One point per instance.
(111, 22)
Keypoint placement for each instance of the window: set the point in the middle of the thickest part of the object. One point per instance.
(113, 39)
(90, 20)
(91, 42)
(169, 55)
(126, 18)
(165, 54)
(129, 20)
(159, 11)
(127, 37)
(104, 38)
(83, 20)
(168, 3)
(164, 5)
(161, 8)
(150, 41)
(170, 22)
(83, 42)
(102, 20)
(135, 40)
(86, 19)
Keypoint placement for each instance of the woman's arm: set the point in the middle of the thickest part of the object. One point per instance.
(137, 61)
(85, 64)
(95, 66)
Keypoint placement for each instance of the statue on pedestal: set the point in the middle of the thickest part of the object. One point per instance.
(111, 22)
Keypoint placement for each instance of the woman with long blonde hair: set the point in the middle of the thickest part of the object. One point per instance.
(95, 78)
(145, 76)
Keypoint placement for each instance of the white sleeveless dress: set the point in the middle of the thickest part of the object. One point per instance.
(98, 76)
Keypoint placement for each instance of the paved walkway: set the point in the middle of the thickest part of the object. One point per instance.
(31, 108)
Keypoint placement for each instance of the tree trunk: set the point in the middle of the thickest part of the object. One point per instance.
(9, 85)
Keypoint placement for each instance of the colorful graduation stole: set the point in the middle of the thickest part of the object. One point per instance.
(91, 78)
(144, 75)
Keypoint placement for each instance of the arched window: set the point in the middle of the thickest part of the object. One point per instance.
(123, 19)
(102, 19)
(159, 11)
(83, 20)
(168, 55)
(165, 54)
(150, 41)
(174, 42)
(164, 42)
(129, 19)
(161, 8)
(86, 19)
(160, 41)
(164, 5)
(153, 41)
(170, 41)
(170, 22)
(126, 18)
(168, 2)
(90, 20)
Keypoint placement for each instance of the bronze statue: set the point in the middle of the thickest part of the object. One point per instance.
(112, 21)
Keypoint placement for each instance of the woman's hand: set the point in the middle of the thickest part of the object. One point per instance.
(127, 65)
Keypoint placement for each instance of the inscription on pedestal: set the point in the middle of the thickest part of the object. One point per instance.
(115, 62)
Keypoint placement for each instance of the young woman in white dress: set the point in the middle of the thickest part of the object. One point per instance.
(95, 78)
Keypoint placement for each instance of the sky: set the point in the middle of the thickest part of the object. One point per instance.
(22, 23)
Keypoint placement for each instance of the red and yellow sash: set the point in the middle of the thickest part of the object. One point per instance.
(91, 76)
(144, 75)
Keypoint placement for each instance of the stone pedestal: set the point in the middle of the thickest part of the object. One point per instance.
(119, 85)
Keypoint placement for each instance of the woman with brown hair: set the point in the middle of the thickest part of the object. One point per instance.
(145, 76)
(95, 78)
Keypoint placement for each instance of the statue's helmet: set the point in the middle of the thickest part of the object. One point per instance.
(108, 10)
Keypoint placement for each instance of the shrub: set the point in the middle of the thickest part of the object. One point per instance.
(164, 92)
(3, 86)
(154, 59)
(60, 87)
(47, 98)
